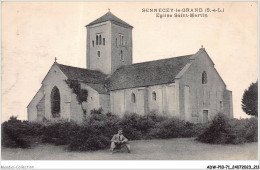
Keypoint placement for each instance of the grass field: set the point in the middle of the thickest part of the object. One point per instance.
(170, 149)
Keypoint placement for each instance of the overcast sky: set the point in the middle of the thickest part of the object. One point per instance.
(33, 33)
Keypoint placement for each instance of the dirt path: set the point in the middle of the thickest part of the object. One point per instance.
(170, 149)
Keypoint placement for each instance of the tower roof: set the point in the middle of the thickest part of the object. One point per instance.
(110, 17)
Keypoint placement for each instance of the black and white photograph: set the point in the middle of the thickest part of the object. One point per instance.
(117, 81)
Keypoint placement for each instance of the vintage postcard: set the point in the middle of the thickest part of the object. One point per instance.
(173, 81)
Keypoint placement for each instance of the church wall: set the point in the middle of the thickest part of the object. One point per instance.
(104, 100)
(41, 109)
(70, 109)
(121, 101)
(93, 98)
(92, 103)
(31, 108)
(116, 47)
(102, 63)
(76, 114)
(32, 113)
(228, 103)
(117, 102)
(165, 103)
(155, 105)
(56, 78)
(203, 98)
(138, 105)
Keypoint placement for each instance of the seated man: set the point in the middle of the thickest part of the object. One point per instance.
(119, 141)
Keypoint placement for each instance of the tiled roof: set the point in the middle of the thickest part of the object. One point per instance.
(129, 76)
(93, 78)
(110, 17)
(147, 73)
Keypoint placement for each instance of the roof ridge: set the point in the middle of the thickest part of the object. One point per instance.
(163, 59)
(86, 69)
(72, 66)
(156, 60)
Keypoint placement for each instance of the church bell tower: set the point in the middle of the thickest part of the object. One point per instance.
(109, 43)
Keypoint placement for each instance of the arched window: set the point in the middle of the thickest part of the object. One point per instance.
(104, 41)
(122, 40)
(204, 77)
(93, 43)
(97, 39)
(121, 55)
(100, 38)
(55, 102)
(154, 96)
(98, 53)
(133, 99)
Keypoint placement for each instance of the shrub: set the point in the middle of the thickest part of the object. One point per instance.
(98, 129)
(230, 131)
(130, 123)
(170, 128)
(57, 132)
(19, 134)
(87, 137)
(252, 130)
(95, 133)
(108, 123)
(7, 141)
(218, 130)
(237, 131)
(193, 130)
(139, 126)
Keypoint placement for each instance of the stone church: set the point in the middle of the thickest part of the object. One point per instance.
(188, 87)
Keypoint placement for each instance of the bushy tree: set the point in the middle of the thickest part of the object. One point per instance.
(250, 100)
(223, 130)
(218, 131)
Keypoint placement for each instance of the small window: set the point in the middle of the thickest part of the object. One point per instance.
(98, 53)
(104, 41)
(100, 38)
(204, 77)
(221, 105)
(121, 55)
(122, 39)
(97, 39)
(154, 96)
(133, 99)
(93, 43)
(116, 43)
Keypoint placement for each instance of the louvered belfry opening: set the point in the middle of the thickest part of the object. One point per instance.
(55, 102)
